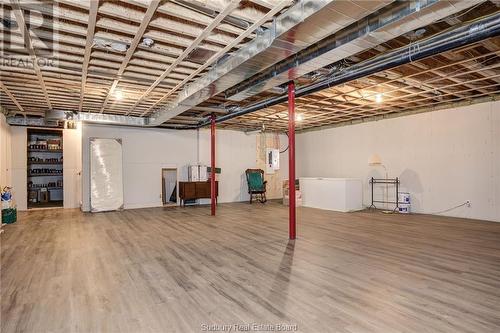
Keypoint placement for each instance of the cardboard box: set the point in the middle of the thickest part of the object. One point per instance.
(286, 198)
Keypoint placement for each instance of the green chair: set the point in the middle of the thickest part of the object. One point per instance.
(256, 184)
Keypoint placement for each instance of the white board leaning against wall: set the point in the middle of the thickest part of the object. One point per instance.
(106, 175)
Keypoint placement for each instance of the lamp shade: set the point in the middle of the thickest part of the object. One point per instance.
(375, 160)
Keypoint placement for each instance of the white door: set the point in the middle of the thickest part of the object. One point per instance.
(106, 175)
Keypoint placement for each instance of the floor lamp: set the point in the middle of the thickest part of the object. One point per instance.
(375, 160)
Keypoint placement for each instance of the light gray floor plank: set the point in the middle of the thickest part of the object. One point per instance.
(174, 269)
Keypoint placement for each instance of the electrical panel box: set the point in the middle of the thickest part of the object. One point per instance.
(272, 160)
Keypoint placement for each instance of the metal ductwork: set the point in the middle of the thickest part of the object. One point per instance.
(290, 34)
(303, 24)
(387, 23)
(465, 34)
(486, 27)
(89, 117)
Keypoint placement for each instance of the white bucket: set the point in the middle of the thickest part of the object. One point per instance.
(404, 197)
(404, 208)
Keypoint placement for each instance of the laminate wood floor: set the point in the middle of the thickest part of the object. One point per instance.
(178, 269)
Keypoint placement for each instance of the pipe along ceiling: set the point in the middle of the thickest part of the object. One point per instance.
(460, 36)
(468, 33)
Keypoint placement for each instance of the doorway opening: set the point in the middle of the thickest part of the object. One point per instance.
(169, 186)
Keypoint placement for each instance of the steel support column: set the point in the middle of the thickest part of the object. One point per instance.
(291, 159)
(212, 164)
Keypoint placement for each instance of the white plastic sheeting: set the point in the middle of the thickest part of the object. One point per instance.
(106, 175)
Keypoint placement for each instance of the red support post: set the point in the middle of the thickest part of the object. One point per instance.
(212, 164)
(291, 159)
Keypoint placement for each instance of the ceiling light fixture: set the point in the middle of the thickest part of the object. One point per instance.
(116, 46)
(118, 95)
(378, 98)
(299, 117)
(147, 42)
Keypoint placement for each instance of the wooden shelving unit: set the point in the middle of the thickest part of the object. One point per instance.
(49, 188)
(55, 151)
(44, 163)
(45, 153)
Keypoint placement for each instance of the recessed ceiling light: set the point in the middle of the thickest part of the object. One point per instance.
(299, 117)
(378, 98)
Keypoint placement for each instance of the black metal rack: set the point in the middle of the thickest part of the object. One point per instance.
(388, 181)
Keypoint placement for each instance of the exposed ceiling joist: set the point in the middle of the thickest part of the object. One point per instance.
(278, 7)
(23, 28)
(153, 5)
(14, 100)
(229, 8)
(94, 5)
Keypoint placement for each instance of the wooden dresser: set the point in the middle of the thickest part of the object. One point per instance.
(196, 190)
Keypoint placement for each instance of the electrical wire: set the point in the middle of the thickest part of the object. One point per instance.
(459, 15)
(281, 152)
(449, 209)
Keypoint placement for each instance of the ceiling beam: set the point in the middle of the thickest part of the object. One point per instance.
(7, 91)
(228, 47)
(94, 5)
(133, 46)
(28, 44)
(229, 8)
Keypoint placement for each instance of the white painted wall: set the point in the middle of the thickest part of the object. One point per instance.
(72, 167)
(147, 151)
(5, 152)
(19, 166)
(443, 158)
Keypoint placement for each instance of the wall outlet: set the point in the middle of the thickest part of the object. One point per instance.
(467, 203)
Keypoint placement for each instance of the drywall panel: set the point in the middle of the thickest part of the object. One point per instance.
(72, 166)
(145, 153)
(495, 161)
(5, 153)
(443, 158)
(19, 168)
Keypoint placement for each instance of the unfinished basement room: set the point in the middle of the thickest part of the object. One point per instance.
(250, 166)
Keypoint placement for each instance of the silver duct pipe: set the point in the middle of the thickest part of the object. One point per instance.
(301, 25)
(299, 19)
(462, 35)
(387, 23)
(31, 121)
(212, 13)
(465, 34)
